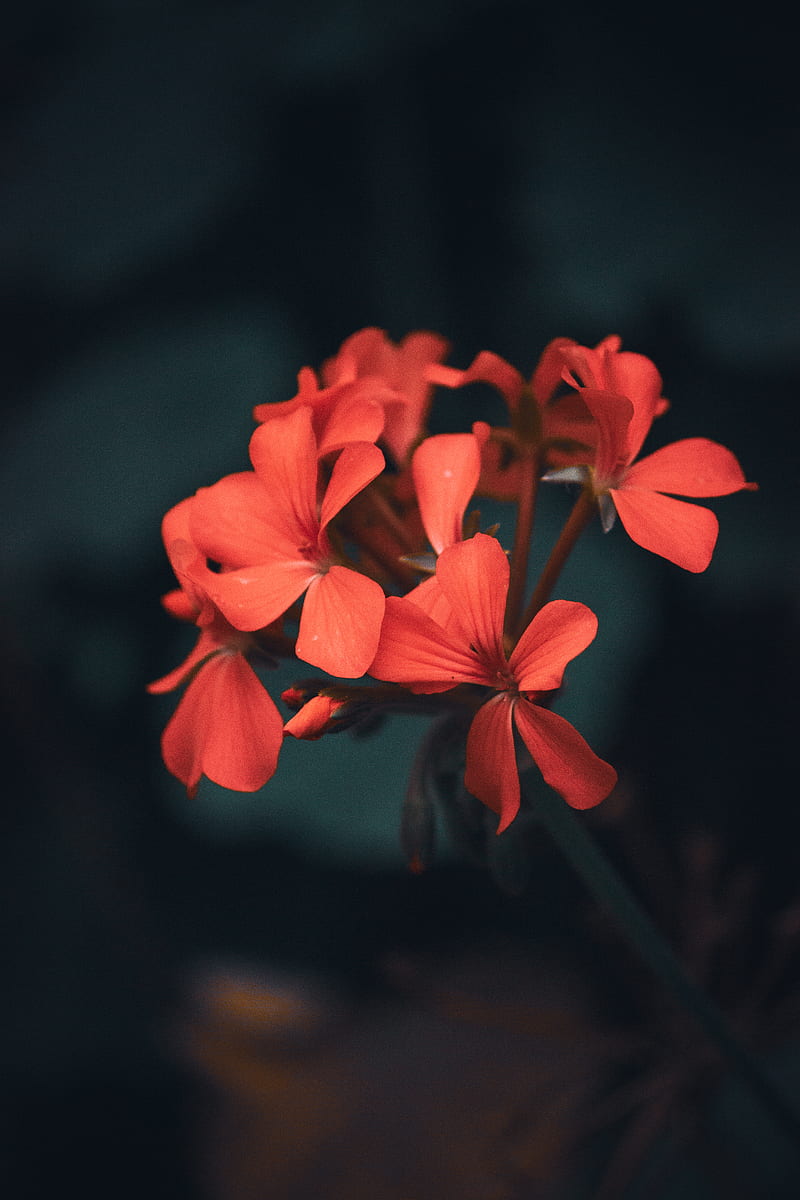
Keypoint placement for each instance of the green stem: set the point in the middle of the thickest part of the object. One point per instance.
(610, 890)
(529, 482)
(584, 509)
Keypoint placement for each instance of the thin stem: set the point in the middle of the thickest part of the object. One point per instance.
(529, 482)
(611, 891)
(582, 513)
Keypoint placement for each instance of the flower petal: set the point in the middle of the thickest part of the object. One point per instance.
(683, 533)
(486, 367)
(357, 465)
(549, 369)
(613, 414)
(206, 644)
(491, 773)
(254, 597)
(232, 523)
(474, 577)
(313, 720)
(357, 416)
(341, 622)
(283, 452)
(567, 763)
(429, 596)
(691, 467)
(226, 727)
(403, 367)
(623, 373)
(558, 632)
(416, 651)
(446, 470)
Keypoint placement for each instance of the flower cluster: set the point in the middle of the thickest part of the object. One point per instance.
(351, 546)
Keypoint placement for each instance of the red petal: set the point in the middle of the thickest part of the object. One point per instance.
(175, 525)
(357, 416)
(491, 773)
(567, 763)
(226, 727)
(254, 597)
(357, 465)
(232, 522)
(548, 373)
(558, 632)
(179, 604)
(634, 376)
(403, 367)
(607, 369)
(307, 390)
(446, 470)
(206, 644)
(613, 414)
(414, 650)
(284, 454)
(692, 467)
(313, 719)
(486, 367)
(683, 533)
(341, 622)
(429, 596)
(474, 577)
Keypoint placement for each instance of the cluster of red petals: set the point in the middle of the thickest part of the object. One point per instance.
(226, 726)
(371, 389)
(428, 657)
(317, 536)
(566, 427)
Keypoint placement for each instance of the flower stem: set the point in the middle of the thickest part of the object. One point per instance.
(610, 890)
(582, 513)
(529, 482)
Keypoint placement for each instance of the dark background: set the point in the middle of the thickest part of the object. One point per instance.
(198, 199)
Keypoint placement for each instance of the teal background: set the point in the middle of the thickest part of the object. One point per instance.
(199, 199)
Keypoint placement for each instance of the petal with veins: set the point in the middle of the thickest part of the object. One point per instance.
(474, 577)
(559, 631)
(691, 467)
(567, 763)
(226, 727)
(446, 470)
(491, 774)
(357, 465)
(416, 651)
(254, 597)
(683, 533)
(341, 622)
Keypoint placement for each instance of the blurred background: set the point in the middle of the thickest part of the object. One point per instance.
(247, 996)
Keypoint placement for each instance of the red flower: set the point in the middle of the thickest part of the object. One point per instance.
(269, 532)
(226, 725)
(623, 395)
(416, 651)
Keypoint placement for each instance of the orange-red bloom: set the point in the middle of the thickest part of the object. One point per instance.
(622, 391)
(417, 651)
(268, 529)
(226, 725)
